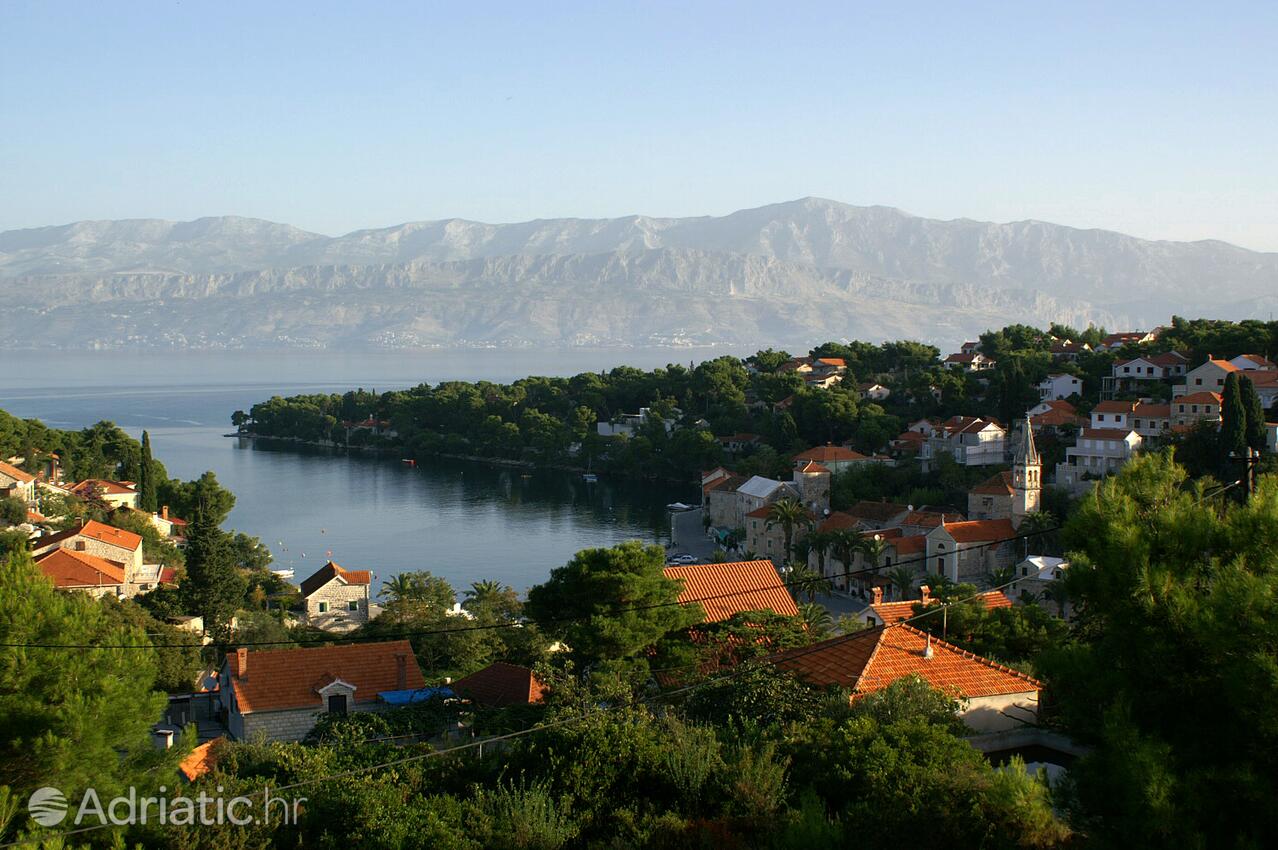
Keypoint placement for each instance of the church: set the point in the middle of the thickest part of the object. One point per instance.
(1014, 493)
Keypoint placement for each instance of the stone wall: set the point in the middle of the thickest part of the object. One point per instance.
(338, 597)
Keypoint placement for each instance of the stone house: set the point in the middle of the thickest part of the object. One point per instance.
(1015, 493)
(279, 694)
(16, 484)
(337, 599)
(84, 573)
(1194, 408)
(114, 494)
(115, 545)
(968, 551)
(971, 441)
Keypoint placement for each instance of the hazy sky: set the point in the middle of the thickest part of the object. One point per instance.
(1160, 120)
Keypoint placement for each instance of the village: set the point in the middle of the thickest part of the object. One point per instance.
(874, 586)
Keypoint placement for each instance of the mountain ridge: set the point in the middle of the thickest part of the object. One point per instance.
(790, 257)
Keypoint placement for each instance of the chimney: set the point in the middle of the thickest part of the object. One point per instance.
(925, 594)
(876, 596)
(241, 659)
(164, 512)
(401, 671)
(927, 650)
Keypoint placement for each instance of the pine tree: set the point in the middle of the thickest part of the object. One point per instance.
(214, 587)
(1255, 413)
(147, 500)
(1233, 423)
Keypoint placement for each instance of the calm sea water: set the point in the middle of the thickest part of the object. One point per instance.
(464, 521)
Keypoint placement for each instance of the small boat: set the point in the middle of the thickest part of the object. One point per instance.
(408, 461)
(285, 573)
(589, 477)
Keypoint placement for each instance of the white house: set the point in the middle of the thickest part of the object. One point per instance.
(970, 440)
(16, 483)
(1099, 452)
(1059, 386)
(1034, 575)
(628, 424)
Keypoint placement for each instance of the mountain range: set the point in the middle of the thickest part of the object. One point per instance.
(788, 274)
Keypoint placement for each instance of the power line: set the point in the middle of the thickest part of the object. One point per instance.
(739, 670)
(799, 583)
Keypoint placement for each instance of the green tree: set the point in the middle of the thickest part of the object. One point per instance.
(12, 511)
(1255, 413)
(1233, 425)
(790, 514)
(214, 587)
(72, 719)
(1176, 606)
(611, 603)
(147, 499)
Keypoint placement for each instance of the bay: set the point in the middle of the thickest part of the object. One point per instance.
(461, 520)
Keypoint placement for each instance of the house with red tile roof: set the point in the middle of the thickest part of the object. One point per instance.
(1209, 377)
(16, 483)
(115, 494)
(970, 440)
(82, 572)
(499, 685)
(336, 598)
(880, 613)
(992, 697)
(968, 551)
(280, 693)
(200, 760)
(724, 590)
(1151, 420)
(1197, 407)
(119, 547)
(973, 362)
(1096, 453)
(834, 458)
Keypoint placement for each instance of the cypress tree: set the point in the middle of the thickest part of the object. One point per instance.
(146, 478)
(1233, 422)
(1255, 413)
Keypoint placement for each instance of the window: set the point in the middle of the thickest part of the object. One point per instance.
(1024, 571)
(940, 565)
(1100, 417)
(323, 607)
(1198, 382)
(337, 703)
(353, 605)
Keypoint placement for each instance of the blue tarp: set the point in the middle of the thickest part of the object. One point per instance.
(415, 695)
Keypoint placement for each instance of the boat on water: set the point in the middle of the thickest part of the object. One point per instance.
(408, 461)
(589, 477)
(284, 573)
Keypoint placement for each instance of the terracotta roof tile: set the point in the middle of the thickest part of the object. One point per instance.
(980, 530)
(330, 571)
(872, 659)
(199, 761)
(1198, 398)
(828, 454)
(999, 484)
(501, 684)
(15, 473)
(70, 569)
(878, 511)
(288, 678)
(727, 589)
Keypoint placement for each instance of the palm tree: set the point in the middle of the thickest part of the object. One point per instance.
(804, 580)
(819, 542)
(1001, 576)
(401, 587)
(872, 546)
(802, 548)
(1039, 528)
(844, 543)
(902, 578)
(1056, 592)
(483, 591)
(789, 514)
(817, 618)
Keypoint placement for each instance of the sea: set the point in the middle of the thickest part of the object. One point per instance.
(465, 521)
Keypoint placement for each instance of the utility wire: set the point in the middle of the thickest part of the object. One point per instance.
(739, 670)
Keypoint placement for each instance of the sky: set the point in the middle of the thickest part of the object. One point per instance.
(1158, 120)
